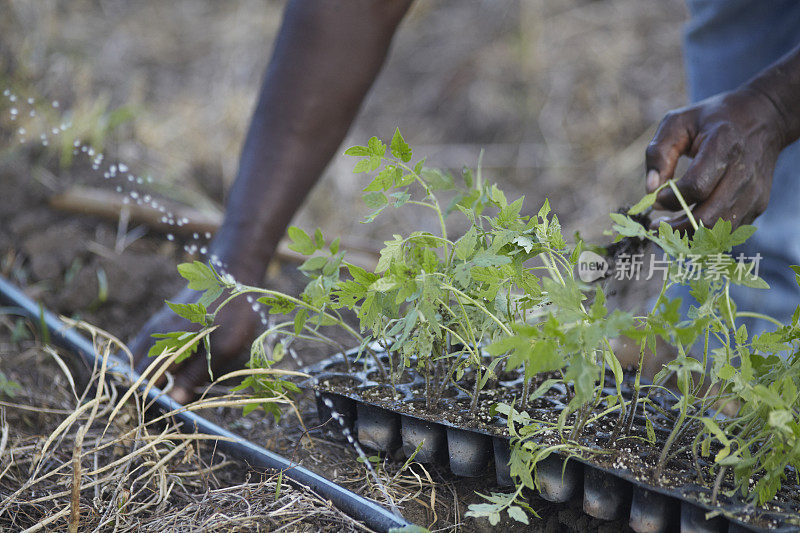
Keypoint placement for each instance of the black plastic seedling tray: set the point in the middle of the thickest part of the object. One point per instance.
(608, 493)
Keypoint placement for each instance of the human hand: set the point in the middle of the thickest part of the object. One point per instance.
(237, 325)
(734, 140)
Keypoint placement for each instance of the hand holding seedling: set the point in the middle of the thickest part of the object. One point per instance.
(734, 139)
(237, 325)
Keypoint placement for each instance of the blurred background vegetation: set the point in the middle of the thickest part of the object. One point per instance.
(561, 94)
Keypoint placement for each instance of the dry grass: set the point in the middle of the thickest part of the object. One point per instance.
(88, 459)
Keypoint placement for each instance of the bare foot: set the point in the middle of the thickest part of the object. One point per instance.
(237, 325)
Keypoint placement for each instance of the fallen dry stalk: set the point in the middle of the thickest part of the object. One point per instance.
(111, 206)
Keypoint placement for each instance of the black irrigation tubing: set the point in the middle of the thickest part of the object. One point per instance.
(358, 507)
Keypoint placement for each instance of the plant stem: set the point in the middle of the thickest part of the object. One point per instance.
(428, 402)
(473, 406)
(481, 307)
(637, 386)
(717, 483)
(761, 316)
(662, 459)
(436, 207)
(526, 390)
(684, 205)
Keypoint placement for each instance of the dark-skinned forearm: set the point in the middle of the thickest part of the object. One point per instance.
(780, 83)
(326, 57)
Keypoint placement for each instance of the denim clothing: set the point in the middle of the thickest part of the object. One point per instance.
(726, 43)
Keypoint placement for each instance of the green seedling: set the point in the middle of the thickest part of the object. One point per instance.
(503, 294)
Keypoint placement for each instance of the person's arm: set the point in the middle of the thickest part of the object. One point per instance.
(734, 139)
(326, 57)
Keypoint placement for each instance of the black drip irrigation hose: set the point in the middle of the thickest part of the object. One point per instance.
(358, 507)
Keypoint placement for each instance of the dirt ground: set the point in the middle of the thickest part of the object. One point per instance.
(562, 95)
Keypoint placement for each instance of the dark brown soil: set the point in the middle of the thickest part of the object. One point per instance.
(64, 260)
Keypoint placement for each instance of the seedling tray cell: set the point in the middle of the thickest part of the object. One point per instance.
(604, 496)
(343, 392)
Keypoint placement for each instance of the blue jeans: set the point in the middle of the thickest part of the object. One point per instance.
(726, 43)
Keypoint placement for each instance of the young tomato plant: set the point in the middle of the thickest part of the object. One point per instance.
(433, 301)
(715, 363)
(502, 294)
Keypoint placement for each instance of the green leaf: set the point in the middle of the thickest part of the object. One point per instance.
(781, 419)
(651, 432)
(332, 265)
(383, 285)
(769, 342)
(173, 342)
(545, 210)
(436, 179)
(526, 242)
(369, 218)
(357, 151)
(302, 243)
(509, 214)
(518, 514)
(399, 147)
(300, 321)
(375, 199)
(277, 305)
(741, 234)
(647, 201)
(626, 226)
(192, 312)
(199, 276)
(313, 263)
(719, 239)
(393, 250)
(484, 258)
(400, 198)
(616, 367)
(361, 276)
(466, 244)
(385, 179)
(498, 196)
(367, 164)
(726, 372)
(672, 241)
(376, 147)
(713, 428)
(319, 240)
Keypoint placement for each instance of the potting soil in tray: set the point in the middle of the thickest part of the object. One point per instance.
(386, 419)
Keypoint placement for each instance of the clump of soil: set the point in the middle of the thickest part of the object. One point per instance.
(82, 267)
